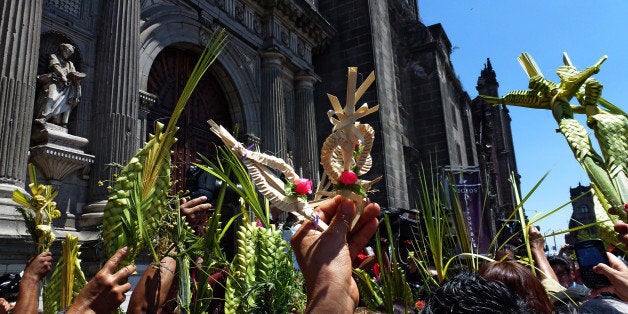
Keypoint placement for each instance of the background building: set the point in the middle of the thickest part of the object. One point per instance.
(496, 153)
(270, 82)
(583, 214)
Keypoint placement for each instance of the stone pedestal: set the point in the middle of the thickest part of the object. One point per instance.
(57, 153)
(92, 215)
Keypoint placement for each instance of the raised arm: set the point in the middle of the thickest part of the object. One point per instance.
(546, 273)
(28, 294)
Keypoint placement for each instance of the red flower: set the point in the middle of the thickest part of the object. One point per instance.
(376, 270)
(362, 256)
(348, 177)
(303, 186)
(420, 304)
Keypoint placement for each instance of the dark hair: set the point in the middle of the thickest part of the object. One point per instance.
(519, 279)
(507, 252)
(470, 293)
(558, 260)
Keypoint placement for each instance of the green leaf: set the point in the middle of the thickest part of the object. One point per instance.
(21, 198)
(355, 188)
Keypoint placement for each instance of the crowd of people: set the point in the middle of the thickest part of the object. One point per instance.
(326, 259)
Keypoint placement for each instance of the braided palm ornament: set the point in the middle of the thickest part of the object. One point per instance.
(345, 155)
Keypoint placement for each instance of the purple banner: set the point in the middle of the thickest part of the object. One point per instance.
(467, 185)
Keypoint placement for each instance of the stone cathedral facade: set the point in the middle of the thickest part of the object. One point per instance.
(270, 83)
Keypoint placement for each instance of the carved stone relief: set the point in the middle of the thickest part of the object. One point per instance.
(71, 7)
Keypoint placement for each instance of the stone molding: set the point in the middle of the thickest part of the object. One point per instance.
(56, 163)
(58, 153)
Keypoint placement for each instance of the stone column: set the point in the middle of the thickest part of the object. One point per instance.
(115, 135)
(273, 111)
(306, 150)
(20, 28)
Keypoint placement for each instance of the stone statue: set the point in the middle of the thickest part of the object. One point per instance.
(61, 90)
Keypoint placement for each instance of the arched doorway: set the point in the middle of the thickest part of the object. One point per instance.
(168, 76)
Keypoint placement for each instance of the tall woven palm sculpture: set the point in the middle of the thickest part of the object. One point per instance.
(610, 125)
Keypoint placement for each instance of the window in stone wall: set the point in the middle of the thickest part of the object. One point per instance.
(454, 116)
(459, 151)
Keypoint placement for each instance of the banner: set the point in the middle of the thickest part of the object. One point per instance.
(465, 183)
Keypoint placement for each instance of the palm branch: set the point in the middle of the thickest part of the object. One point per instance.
(139, 194)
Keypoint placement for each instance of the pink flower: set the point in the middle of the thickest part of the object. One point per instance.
(420, 304)
(348, 177)
(303, 186)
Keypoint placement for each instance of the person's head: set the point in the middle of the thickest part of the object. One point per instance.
(519, 279)
(563, 268)
(506, 253)
(66, 50)
(470, 293)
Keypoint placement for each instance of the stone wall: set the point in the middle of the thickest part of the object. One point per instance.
(352, 46)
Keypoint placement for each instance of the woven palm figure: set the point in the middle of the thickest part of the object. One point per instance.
(607, 171)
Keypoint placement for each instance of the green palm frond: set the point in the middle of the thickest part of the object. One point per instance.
(231, 171)
(261, 277)
(66, 280)
(140, 192)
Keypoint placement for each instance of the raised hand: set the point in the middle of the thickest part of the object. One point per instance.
(325, 258)
(196, 212)
(617, 274)
(106, 291)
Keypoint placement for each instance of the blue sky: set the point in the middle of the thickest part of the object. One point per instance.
(501, 30)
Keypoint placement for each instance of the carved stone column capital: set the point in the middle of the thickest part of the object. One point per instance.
(272, 58)
(305, 80)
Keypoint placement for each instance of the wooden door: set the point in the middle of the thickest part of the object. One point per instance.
(167, 78)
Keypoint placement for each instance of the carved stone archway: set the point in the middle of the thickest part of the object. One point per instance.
(167, 78)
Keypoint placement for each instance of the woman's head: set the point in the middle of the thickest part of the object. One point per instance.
(520, 280)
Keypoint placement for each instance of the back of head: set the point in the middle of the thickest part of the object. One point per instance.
(561, 260)
(520, 280)
(507, 253)
(470, 293)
